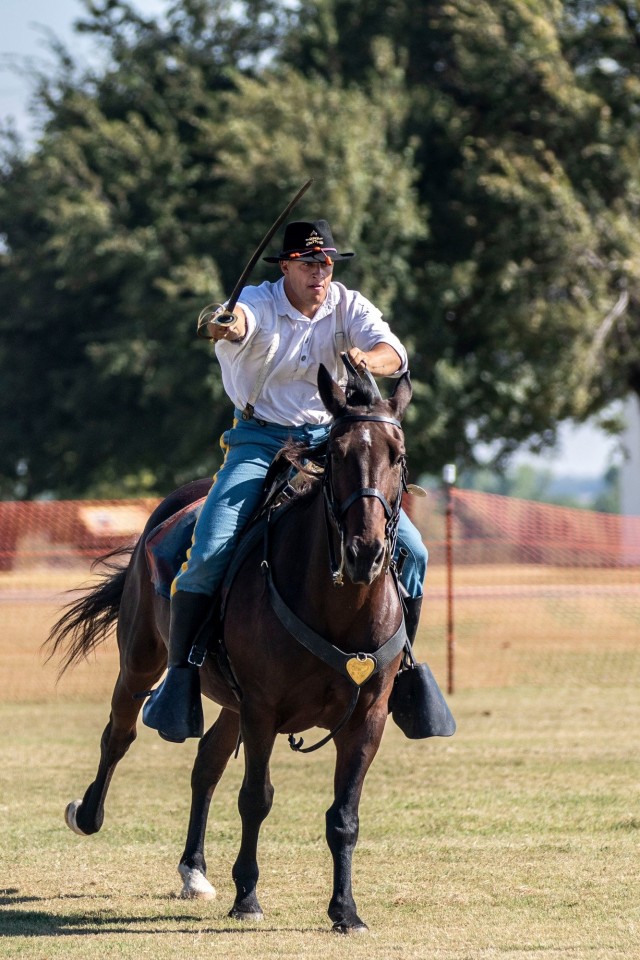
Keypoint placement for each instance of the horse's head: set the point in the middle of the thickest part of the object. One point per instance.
(366, 471)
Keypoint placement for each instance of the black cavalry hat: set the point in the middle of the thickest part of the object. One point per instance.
(309, 241)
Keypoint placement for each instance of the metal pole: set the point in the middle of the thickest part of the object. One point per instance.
(449, 478)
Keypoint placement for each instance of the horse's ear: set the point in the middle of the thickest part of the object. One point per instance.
(399, 400)
(331, 393)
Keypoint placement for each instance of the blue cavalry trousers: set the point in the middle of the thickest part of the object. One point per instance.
(235, 494)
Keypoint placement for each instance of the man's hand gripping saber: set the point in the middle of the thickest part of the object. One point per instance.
(218, 313)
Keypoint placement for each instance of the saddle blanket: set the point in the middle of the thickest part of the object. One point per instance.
(168, 544)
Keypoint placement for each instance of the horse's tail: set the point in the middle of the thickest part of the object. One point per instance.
(87, 622)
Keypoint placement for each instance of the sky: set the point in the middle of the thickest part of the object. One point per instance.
(21, 36)
(583, 451)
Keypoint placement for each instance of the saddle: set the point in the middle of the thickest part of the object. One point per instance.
(167, 545)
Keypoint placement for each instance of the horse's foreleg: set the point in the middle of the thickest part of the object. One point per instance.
(214, 751)
(254, 803)
(86, 816)
(355, 752)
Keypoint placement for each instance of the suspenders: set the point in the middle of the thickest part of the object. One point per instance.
(247, 413)
(341, 344)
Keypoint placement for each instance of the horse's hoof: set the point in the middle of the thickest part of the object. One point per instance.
(70, 817)
(255, 915)
(195, 884)
(346, 930)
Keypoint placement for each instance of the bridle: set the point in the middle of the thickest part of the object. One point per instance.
(335, 510)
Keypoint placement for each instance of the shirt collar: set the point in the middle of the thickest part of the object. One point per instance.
(286, 309)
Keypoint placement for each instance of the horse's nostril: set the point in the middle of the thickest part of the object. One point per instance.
(380, 555)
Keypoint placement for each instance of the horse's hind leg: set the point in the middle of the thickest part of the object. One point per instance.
(86, 816)
(214, 751)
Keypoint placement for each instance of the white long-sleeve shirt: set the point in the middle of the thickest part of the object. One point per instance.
(290, 395)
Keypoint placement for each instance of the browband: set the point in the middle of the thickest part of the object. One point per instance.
(366, 416)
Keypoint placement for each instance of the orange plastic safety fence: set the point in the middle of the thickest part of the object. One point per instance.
(46, 550)
(541, 594)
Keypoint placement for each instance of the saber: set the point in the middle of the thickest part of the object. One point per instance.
(223, 319)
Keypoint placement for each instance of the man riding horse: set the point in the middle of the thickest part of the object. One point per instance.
(269, 346)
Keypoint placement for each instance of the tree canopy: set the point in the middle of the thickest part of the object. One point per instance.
(482, 159)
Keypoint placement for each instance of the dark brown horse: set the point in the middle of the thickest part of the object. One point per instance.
(350, 516)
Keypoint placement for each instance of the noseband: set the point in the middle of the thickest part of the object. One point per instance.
(335, 510)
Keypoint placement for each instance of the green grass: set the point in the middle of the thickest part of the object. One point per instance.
(516, 838)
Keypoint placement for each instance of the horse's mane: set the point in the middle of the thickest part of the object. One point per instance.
(307, 461)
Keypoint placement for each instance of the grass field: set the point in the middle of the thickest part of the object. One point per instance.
(517, 837)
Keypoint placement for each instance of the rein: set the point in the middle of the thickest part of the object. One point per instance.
(356, 667)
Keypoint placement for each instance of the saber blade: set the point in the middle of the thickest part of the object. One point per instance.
(225, 318)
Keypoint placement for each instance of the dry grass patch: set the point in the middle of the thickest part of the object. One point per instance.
(514, 625)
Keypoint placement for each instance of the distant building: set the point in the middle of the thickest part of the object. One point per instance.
(630, 479)
(630, 468)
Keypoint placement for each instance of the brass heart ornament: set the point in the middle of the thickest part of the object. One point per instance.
(360, 668)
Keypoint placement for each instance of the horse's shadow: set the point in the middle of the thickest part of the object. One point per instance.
(42, 923)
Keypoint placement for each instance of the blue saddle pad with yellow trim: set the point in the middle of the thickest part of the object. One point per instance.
(167, 546)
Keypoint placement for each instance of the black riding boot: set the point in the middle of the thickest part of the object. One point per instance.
(175, 708)
(416, 702)
(413, 608)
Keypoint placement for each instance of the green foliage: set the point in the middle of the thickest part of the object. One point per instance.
(528, 166)
(526, 482)
(148, 187)
(482, 158)
(608, 500)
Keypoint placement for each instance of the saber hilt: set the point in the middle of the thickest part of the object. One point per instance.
(214, 313)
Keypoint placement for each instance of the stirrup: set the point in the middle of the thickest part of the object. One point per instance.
(418, 706)
(174, 709)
